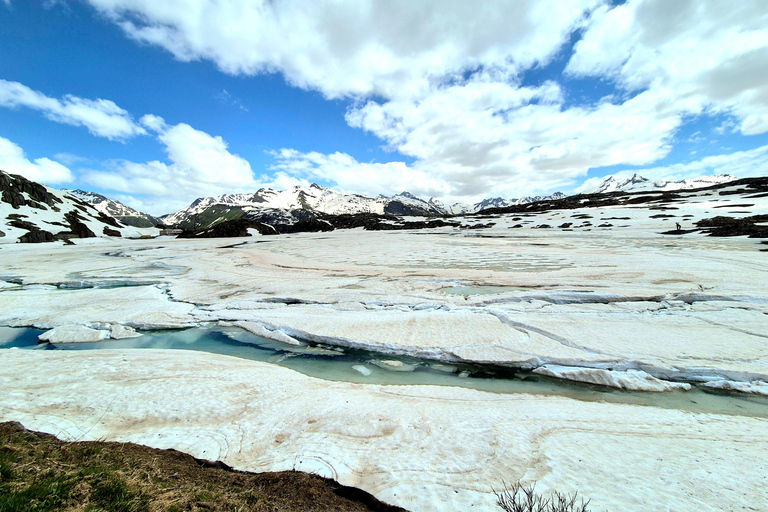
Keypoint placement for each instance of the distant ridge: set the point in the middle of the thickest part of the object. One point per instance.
(637, 183)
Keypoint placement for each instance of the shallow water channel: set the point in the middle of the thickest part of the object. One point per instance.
(346, 365)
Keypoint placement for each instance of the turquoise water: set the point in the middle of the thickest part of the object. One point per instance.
(332, 363)
(480, 290)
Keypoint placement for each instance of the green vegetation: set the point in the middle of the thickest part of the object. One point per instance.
(212, 216)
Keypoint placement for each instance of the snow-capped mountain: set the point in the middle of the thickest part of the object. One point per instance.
(637, 183)
(206, 210)
(314, 198)
(125, 214)
(495, 202)
(31, 212)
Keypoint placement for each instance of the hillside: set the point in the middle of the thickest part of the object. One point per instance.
(33, 213)
(115, 209)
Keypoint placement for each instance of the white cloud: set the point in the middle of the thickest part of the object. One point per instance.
(70, 159)
(103, 118)
(440, 80)
(14, 161)
(704, 56)
(489, 138)
(153, 122)
(353, 47)
(200, 165)
(353, 176)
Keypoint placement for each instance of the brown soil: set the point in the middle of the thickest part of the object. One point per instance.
(39, 472)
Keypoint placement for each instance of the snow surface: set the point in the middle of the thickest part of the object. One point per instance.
(620, 305)
(615, 298)
(412, 446)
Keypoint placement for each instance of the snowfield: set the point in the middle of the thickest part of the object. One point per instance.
(600, 296)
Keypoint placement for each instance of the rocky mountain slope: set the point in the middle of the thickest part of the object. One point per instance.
(116, 209)
(637, 183)
(31, 213)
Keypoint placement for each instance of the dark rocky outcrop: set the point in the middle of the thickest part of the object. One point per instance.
(111, 232)
(400, 208)
(729, 226)
(36, 236)
(308, 225)
(230, 228)
(421, 224)
(13, 188)
(77, 229)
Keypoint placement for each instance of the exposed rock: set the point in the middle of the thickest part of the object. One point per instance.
(309, 225)
(231, 228)
(14, 187)
(729, 226)
(111, 232)
(36, 236)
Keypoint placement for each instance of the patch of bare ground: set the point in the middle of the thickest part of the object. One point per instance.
(41, 473)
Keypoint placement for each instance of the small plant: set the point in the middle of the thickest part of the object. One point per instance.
(519, 498)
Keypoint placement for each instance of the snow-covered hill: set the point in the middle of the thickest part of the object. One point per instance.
(124, 214)
(637, 183)
(31, 212)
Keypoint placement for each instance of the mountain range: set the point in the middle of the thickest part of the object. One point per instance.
(637, 183)
(267, 205)
(36, 213)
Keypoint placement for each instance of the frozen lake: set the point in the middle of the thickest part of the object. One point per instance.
(405, 390)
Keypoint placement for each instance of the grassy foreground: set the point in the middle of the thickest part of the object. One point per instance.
(41, 473)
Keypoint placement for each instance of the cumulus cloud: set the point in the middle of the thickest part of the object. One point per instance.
(353, 47)
(356, 177)
(14, 161)
(442, 81)
(200, 165)
(709, 57)
(102, 118)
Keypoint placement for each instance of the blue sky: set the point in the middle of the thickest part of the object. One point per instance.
(157, 103)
